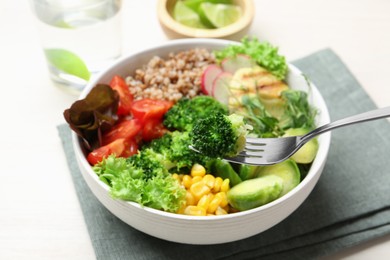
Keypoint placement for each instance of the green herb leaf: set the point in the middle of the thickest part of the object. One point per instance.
(298, 112)
(68, 62)
(255, 114)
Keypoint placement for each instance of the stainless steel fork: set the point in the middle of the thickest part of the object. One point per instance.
(266, 151)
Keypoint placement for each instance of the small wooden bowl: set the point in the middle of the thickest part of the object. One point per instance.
(174, 29)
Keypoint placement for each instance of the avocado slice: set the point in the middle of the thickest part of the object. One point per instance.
(288, 171)
(308, 151)
(252, 193)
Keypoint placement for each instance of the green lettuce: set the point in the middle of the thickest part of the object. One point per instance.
(141, 179)
(263, 53)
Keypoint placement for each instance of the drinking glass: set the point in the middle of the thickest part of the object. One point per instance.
(79, 37)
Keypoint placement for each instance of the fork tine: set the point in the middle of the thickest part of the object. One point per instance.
(263, 151)
(251, 153)
(256, 141)
(247, 160)
(254, 147)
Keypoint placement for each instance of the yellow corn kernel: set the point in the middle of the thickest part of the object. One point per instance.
(195, 211)
(176, 176)
(225, 185)
(214, 204)
(187, 181)
(227, 208)
(198, 189)
(220, 211)
(204, 202)
(181, 209)
(197, 179)
(198, 170)
(209, 180)
(217, 184)
(190, 199)
(223, 197)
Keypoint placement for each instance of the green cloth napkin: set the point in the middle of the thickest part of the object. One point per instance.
(349, 205)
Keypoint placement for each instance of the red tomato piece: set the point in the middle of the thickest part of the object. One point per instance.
(117, 147)
(125, 97)
(131, 148)
(153, 129)
(126, 129)
(146, 109)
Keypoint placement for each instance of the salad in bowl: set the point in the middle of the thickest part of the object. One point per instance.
(134, 126)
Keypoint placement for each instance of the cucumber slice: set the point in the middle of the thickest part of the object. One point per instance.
(252, 193)
(308, 151)
(288, 171)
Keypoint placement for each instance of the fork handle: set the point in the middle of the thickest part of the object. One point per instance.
(359, 118)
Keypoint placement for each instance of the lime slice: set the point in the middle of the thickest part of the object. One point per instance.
(220, 15)
(68, 62)
(185, 15)
(63, 24)
(194, 4)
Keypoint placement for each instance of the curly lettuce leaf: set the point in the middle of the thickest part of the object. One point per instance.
(141, 180)
(163, 192)
(263, 53)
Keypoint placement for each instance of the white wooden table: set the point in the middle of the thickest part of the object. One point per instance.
(40, 216)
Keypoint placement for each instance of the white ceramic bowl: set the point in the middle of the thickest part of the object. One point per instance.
(205, 229)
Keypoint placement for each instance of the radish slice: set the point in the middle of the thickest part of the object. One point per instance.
(232, 64)
(221, 90)
(208, 77)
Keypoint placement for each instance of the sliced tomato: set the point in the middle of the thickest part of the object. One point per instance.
(146, 109)
(125, 97)
(126, 129)
(153, 129)
(117, 147)
(131, 148)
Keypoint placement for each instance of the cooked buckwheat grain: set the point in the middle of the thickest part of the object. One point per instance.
(173, 78)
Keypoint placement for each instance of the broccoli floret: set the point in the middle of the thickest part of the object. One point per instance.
(162, 144)
(173, 151)
(149, 163)
(219, 135)
(162, 149)
(181, 154)
(186, 112)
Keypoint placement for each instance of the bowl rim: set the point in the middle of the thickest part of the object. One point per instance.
(244, 21)
(315, 168)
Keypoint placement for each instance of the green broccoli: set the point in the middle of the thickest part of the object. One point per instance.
(182, 155)
(219, 135)
(149, 163)
(186, 112)
(173, 151)
(162, 149)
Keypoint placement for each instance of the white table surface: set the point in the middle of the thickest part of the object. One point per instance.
(40, 216)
